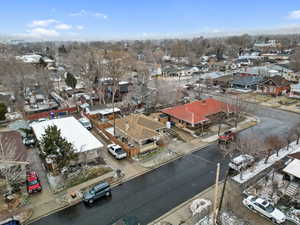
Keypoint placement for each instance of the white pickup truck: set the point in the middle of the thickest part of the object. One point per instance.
(116, 151)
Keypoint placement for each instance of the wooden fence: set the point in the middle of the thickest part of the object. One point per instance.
(101, 129)
(57, 112)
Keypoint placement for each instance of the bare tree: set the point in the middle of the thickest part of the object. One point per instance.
(295, 61)
(117, 66)
(289, 137)
(296, 131)
(273, 143)
(240, 106)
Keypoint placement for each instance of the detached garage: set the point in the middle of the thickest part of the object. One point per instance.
(85, 144)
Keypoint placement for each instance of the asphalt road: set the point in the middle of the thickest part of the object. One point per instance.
(155, 193)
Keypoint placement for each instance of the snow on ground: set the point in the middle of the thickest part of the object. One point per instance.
(200, 205)
(261, 165)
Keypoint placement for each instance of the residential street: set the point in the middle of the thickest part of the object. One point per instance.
(153, 194)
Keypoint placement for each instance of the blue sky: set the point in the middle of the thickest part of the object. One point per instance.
(118, 19)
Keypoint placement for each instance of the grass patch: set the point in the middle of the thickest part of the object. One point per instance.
(288, 102)
(151, 154)
(87, 175)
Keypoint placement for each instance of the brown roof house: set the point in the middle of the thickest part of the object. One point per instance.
(275, 86)
(13, 157)
(139, 131)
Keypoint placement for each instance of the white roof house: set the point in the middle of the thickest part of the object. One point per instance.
(293, 168)
(72, 130)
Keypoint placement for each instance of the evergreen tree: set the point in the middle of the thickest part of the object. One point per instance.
(54, 145)
(3, 111)
(71, 80)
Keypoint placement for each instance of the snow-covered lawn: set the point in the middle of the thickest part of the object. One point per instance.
(261, 165)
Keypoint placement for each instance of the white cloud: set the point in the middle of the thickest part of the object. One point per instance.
(100, 15)
(43, 23)
(79, 27)
(294, 14)
(42, 33)
(80, 13)
(63, 26)
(86, 13)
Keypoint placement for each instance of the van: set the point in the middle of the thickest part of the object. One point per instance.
(98, 191)
(241, 162)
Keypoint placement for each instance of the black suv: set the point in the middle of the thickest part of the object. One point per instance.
(98, 191)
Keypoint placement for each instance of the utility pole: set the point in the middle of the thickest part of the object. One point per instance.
(216, 195)
(222, 195)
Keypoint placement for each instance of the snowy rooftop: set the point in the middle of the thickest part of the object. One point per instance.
(104, 111)
(72, 130)
(293, 168)
(261, 165)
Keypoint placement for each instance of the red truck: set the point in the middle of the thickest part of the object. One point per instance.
(227, 137)
(33, 183)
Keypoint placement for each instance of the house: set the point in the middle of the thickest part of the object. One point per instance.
(247, 82)
(197, 114)
(295, 91)
(85, 144)
(293, 168)
(30, 58)
(276, 86)
(224, 81)
(103, 114)
(212, 75)
(267, 46)
(139, 131)
(13, 155)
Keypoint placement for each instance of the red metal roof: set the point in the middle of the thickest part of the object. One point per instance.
(197, 111)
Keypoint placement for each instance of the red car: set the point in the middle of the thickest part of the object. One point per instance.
(227, 137)
(33, 183)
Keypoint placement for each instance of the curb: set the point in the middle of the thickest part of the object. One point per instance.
(159, 219)
(48, 213)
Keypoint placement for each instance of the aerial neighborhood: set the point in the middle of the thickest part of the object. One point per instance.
(173, 131)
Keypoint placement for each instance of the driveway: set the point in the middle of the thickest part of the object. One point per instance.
(37, 166)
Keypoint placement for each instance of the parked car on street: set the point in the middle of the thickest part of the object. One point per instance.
(264, 208)
(33, 183)
(100, 190)
(129, 220)
(241, 162)
(10, 222)
(116, 151)
(227, 137)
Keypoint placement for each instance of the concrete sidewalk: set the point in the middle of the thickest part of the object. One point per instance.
(182, 214)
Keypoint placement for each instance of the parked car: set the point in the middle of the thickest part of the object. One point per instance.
(10, 222)
(86, 123)
(100, 190)
(116, 151)
(241, 162)
(264, 208)
(129, 220)
(227, 137)
(29, 141)
(33, 183)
